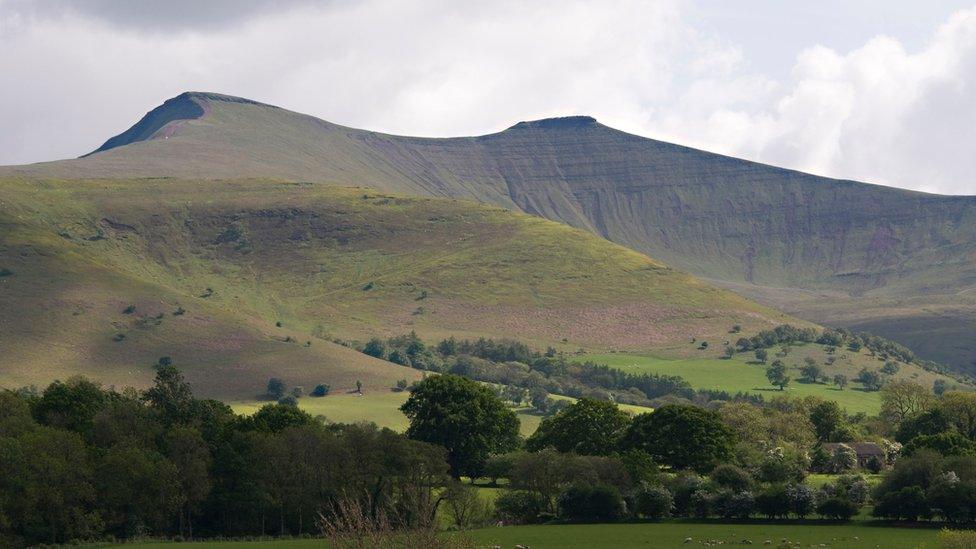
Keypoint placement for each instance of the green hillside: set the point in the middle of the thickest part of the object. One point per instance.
(238, 281)
(899, 263)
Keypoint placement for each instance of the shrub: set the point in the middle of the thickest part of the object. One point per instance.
(907, 503)
(591, 503)
(853, 487)
(731, 477)
(843, 459)
(801, 498)
(520, 506)
(320, 390)
(654, 502)
(129, 310)
(499, 466)
(700, 505)
(731, 504)
(875, 464)
(773, 502)
(467, 508)
(682, 488)
(837, 508)
(375, 348)
(5, 272)
(276, 388)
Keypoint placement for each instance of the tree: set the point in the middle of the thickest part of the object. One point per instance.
(467, 508)
(870, 379)
(811, 371)
(71, 405)
(375, 347)
(843, 459)
(684, 437)
(840, 380)
(903, 399)
(961, 409)
(586, 427)
(939, 387)
(464, 417)
(274, 418)
(276, 388)
(729, 351)
(890, 368)
(170, 396)
(359, 386)
(190, 455)
(762, 355)
(826, 418)
(321, 390)
(776, 374)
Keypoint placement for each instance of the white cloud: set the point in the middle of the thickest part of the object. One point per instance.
(75, 74)
(878, 113)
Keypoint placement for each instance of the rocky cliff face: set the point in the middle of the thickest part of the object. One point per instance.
(839, 252)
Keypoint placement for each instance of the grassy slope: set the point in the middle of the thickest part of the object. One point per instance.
(744, 373)
(897, 262)
(323, 261)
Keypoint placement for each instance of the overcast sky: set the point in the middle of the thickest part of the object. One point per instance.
(881, 91)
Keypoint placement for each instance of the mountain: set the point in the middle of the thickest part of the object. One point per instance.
(901, 264)
(241, 280)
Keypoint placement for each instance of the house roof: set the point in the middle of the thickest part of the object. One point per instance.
(860, 448)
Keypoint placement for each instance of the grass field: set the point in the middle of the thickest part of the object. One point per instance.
(382, 407)
(744, 373)
(666, 535)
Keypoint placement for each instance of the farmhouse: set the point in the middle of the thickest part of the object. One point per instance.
(864, 450)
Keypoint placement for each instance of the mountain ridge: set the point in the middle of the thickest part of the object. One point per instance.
(824, 249)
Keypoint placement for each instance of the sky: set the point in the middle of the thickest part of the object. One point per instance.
(878, 91)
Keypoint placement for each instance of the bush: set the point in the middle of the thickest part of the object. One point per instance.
(731, 504)
(801, 499)
(520, 506)
(499, 466)
(700, 505)
(907, 503)
(773, 502)
(375, 348)
(731, 477)
(591, 503)
(837, 508)
(276, 388)
(654, 502)
(320, 390)
(682, 487)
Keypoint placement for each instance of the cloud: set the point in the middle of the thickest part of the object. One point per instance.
(878, 112)
(154, 15)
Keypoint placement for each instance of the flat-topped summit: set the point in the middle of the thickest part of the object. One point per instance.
(558, 123)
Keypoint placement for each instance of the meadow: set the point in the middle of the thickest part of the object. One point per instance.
(664, 535)
(383, 408)
(744, 373)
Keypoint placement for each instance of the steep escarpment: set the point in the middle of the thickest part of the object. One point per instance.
(829, 250)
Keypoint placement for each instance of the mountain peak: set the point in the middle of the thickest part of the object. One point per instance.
(188, 105)
(559, 123)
